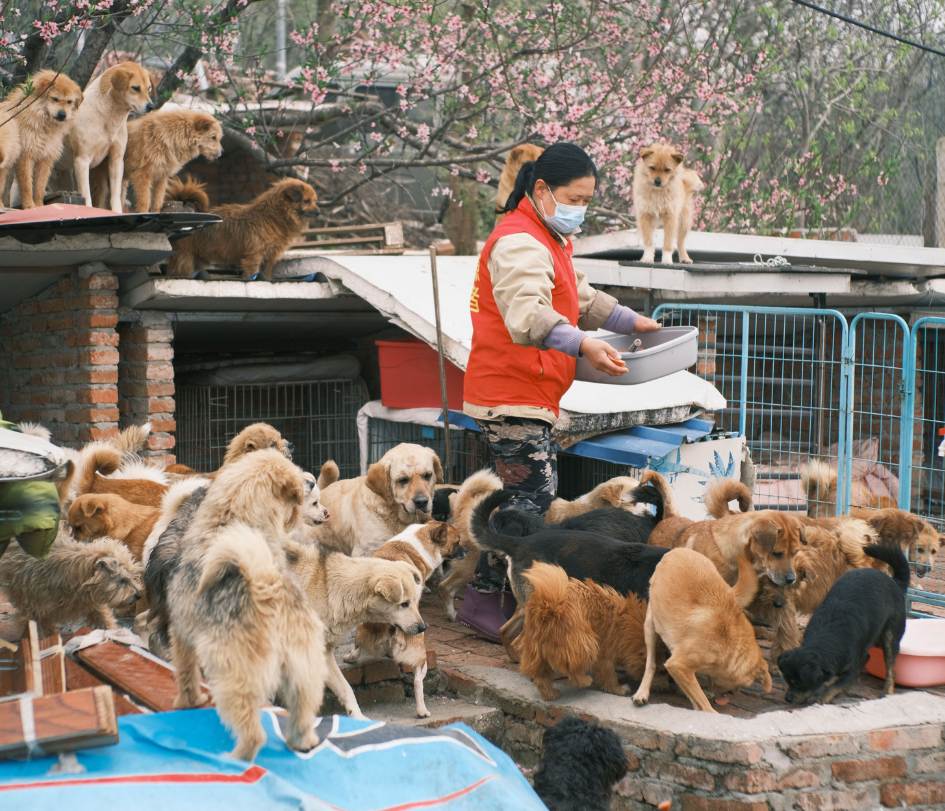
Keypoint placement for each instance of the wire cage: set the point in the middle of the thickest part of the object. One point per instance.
(467, 448)
(578, 475)
(319, 418)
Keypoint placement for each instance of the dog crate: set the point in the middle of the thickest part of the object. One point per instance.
(318, 417)
(579, 474)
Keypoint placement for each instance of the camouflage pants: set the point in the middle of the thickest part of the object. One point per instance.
(525, 457)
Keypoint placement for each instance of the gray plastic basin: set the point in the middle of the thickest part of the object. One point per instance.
(660, 353)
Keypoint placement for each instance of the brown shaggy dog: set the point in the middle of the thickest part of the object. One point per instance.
(701, 620)
(95, 515)
(819, 480)
(580, 630)
(237, 614)
(514, 161)
(42, 111)
(74, 582)
(253, 236)
(615, 492)
(160, 144)
(99, 458)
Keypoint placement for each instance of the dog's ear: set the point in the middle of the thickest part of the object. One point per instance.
(610, 493)
(41, 82)
(437, 468)
(802, 535)
(389, 588)
(378, 480)
(121, 79)
(440, 533)
(294, 193)
(646, 152)
(204, 124)
(91, 507)
(677, 156)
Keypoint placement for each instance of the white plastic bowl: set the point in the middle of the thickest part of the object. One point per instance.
(921, 660)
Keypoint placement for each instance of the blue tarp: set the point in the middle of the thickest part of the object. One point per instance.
(176, 760)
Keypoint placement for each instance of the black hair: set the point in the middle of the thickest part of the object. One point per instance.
(558, 165)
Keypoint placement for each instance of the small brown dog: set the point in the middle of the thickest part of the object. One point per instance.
(425, 546)
(615, 492)
(917, 538)
(99, 458)
(42, 111)
(74, 582)
(160, 144)
(95, 515)
(662, 192)
(253, 236)
(580, 630)
(701, 620)
(514, 161)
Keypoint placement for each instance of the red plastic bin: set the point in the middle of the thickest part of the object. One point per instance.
(410, 376)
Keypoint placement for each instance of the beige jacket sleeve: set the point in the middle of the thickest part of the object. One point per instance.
(523, 277)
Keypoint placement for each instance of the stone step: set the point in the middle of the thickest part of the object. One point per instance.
(443, 710)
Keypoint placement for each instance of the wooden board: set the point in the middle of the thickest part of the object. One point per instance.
(37, 665)
(77, 677)
(149, 683)
(65, 722)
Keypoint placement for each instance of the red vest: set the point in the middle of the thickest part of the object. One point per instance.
(501, 372)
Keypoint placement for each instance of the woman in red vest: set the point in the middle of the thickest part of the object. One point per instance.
(529, 309)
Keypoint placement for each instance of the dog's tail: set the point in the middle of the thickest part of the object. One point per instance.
(329, 474)
(819, 481)
(481, 528)
(35, 429)
(133, 438)
(189, 190)
(96, 457)
(893, 557)
(553, 622)
(174, 497)
(237, 568)
(655, 490)
(746, 587)
(479, 485)
(721, 492)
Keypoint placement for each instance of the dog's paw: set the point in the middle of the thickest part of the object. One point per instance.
(423, 713)
(640, 698)
(648, 256)
(304, 742)
(357, 715)
(667, 258)
(685, 259)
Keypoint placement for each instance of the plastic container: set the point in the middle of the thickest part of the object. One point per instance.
(921, 659)
(410, 376)
(660, 353)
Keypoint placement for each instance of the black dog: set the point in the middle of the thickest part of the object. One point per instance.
(863, 608)
(626, 567)
(580, 764)
(610, 521)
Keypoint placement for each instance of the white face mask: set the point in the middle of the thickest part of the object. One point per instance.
(566, 219)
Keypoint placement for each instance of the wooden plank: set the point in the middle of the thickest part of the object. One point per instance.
(379, 239)
(64, 722)
(77, 677)
(348, 229)
(149, 683)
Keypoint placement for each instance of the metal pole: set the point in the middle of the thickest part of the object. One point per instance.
(280, 40)
(447, 452)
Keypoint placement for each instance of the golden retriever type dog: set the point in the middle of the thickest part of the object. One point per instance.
(580, 630)
(236, 612)
(514, 161)
(701, 620)
(253, 236)
(662, 193)
(95, 515)
(425, 547)
(41, 111)
(160, 144)
(615, 492)
(368, 510)
(100, 133)
(346, 592)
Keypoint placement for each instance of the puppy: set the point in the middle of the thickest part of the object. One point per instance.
(237, 614)
(42, 110)
(615, 492)
(160, 144)
(95, 515)
(346, 592)
(425, 547)
(253, 236)
(662, 193)
(701, 620)
(581, 762)
(864, 608)
(896, 528)
(259, 436)
(514, 161)
(75, 582)
(580, 630)
(100, 133)
(461, 571)
(368, 510)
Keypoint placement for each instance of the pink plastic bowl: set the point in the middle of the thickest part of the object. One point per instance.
(921, 660)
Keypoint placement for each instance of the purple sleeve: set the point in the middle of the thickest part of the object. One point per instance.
(565, 338)
(621, 320)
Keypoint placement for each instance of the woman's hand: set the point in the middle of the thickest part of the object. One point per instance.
(603, 357)
(644, 324)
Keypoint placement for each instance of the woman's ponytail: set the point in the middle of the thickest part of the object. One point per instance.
(524, 183)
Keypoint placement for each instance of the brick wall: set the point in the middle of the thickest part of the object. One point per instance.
(146, 381)
(60, 360)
